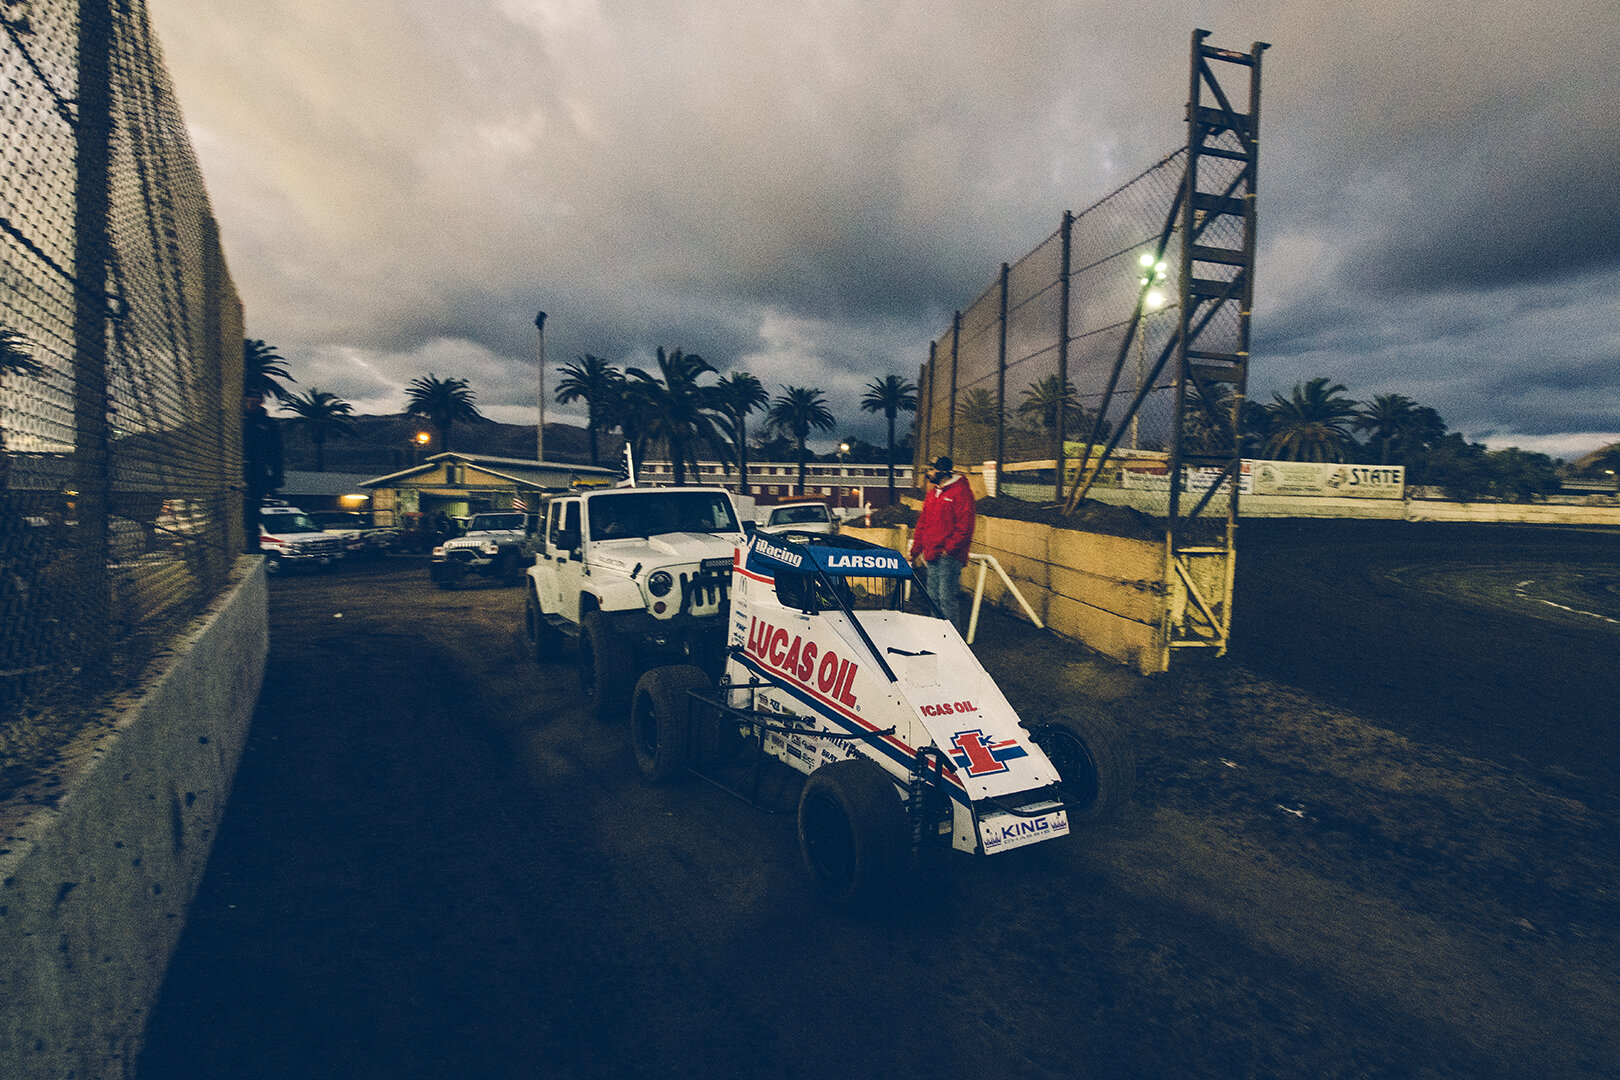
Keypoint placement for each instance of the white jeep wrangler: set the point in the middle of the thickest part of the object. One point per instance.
(492, 546)
(635, 577)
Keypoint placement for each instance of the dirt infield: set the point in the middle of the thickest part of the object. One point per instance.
(1344, 859)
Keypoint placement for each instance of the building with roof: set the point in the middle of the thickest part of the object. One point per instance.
(842, 484)
(324, 490)
(459, 485)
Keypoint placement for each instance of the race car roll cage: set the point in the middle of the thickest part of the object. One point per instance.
(925, 782)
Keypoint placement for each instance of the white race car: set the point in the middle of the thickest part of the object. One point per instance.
(838, 667)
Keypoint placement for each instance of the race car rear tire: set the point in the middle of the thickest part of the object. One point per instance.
(660, 720)
(606, 667)
(853, 835)
(1094, 760)
(545, 641)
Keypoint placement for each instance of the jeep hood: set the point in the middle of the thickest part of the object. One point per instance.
(666, 549)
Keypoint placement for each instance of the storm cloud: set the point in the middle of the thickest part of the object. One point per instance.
(806, 190)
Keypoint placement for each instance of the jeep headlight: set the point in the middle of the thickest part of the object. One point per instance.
(660, 583)
(490, 547)
(438, 552)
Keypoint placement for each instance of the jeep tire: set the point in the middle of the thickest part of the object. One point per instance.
(660, 718)
(853, 834)
(1094, 761)
(508, 566)
(606, 668)
(545, 640)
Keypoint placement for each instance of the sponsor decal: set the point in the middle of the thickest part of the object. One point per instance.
(802, 660)
(850, 562)
(948, 708)
(979, 756)
(779, 553)
(1002, 832)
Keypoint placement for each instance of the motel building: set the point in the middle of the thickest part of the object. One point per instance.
(838, 484)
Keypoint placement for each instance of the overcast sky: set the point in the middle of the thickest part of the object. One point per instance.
(806, 189)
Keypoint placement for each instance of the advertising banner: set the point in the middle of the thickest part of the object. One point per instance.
(1328, 478)
(1154, 476)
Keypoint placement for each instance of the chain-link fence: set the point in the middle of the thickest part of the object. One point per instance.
(120, 381)
(1021, 376)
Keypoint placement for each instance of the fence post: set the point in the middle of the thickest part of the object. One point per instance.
(956, 343)
(922, 447)
(1063, 349)
(93, 139)
(1001, 376)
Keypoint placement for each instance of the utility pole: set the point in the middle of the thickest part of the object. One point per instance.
(540, 365)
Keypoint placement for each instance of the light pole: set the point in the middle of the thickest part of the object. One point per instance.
(421, 439)
(540, 366)
(843, 449)
(1152, 300)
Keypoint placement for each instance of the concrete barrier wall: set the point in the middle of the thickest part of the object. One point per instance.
(1110, 593)
(1105, 591)
(1289, 506)
(99, 863)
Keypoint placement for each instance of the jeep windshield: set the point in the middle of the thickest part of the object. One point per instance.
(647, 513)
(496, 523)
(809, 514)
(280, 523)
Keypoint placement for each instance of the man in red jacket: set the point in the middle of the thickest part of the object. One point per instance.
(944, 534)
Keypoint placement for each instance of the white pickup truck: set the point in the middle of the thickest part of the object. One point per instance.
(635, 577)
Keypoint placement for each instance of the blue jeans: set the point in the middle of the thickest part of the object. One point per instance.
(944, 583)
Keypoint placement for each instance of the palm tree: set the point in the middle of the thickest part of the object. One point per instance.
(1043, 400)
(1609, 462)
(1385, 418)
(681, 409)
(891, 396)
(320, 415)
(735, 396)
(15, 359)
(597, 383)
(1208, 423)
(1314, 424)
(14, 355)
(632, 412)
(441, 402)
(263, 369)
(794, 412)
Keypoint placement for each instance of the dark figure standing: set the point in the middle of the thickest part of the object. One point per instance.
(261, 462)
(944, 537)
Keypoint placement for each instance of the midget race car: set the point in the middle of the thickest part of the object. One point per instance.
(838, 667)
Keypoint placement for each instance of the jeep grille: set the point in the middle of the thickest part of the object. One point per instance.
(704, 593)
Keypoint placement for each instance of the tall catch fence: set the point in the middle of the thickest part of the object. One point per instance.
(120, 381)
(1110, 364)
(1021, 376)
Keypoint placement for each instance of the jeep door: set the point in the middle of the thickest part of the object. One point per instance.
(563, 554)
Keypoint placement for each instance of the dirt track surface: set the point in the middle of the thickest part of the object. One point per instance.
(435, 866)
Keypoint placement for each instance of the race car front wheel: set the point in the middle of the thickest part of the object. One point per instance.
(852, 832)
(1094, 761)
